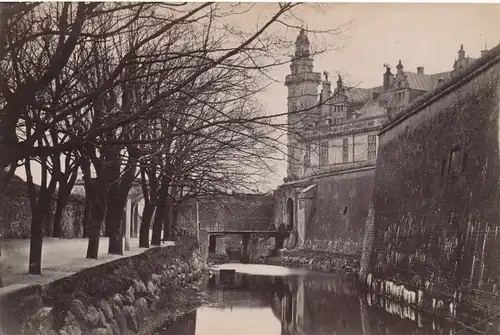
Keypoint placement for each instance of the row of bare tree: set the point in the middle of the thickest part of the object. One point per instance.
(161, 93)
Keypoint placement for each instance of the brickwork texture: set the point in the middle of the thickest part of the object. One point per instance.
(436, 197)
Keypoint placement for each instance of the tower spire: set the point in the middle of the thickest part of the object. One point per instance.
(302, 44)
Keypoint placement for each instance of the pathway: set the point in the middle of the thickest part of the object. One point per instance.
(60, 258)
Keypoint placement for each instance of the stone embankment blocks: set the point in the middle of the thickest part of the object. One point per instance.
(320, 261)
(119, 309)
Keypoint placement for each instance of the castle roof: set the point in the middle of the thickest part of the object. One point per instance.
(359, 95)
(372, 108)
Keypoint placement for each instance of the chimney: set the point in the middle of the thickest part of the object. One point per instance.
(387, 77)
(483, 52)
(326, 90)
(400, 67)
(420, 70)
(340, 84)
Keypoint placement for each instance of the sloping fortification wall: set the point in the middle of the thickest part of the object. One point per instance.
(112, 298)
(433, 239)
(330, 215)
(340, 207)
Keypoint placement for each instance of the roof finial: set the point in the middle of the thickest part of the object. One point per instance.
(400, 67)
(339, 82)
(461, 52)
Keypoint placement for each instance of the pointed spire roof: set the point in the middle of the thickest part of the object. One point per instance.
(302, 44)
(302, 38)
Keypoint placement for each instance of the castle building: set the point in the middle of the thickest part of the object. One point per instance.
(333, 146)
(331, 128)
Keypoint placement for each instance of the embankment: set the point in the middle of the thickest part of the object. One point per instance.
(318, 260)
(118, 297)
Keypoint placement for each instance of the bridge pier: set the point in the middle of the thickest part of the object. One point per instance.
(212, 244)
(245, 255)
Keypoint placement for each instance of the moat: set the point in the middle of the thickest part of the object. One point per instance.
(272, 300)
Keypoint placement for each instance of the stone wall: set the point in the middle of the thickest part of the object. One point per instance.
(112, 298)
(15, 213)
(330, 211)
(434, 240)
(341, 207)
(229, 212)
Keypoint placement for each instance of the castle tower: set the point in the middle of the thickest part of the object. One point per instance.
(302, 86)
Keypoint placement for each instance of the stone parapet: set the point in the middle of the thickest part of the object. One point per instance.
(113, 298)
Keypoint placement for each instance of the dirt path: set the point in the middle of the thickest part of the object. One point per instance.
(60, 257)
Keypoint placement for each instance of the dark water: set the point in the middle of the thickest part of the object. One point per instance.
(266, 300)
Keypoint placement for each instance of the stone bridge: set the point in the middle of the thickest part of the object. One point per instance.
(279, 237)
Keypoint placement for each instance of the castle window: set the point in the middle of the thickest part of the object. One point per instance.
(464, 161)
(345, 210)
(454, 161)
(291, 152)
(307, 157)
(443, 167)
(345, 150)
(372, 146)
(323, 153)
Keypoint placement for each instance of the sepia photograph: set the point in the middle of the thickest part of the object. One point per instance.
(270, 168)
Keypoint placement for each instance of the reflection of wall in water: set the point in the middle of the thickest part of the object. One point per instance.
(240, 289)
(382, 316)
(185, 325)
(326, 306)
(320, 306)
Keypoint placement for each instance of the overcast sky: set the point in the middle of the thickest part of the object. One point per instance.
(427, 35)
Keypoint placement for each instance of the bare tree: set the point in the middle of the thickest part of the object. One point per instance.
(81, 82)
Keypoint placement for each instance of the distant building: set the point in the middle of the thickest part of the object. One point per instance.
(333, 144)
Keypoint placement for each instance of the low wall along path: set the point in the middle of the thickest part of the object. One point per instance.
(112, 298)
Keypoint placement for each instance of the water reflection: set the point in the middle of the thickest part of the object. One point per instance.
(300, 304)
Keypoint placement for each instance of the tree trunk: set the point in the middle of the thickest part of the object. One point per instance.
(147, 215)
(110, 202)
(158, 222)
(98, 194)
(173, 227)
(86, 216)
(167, 221)
(36, 240)
(4, 181)
(114, 223)
(161, 207)
(62, 200)
(94, 230)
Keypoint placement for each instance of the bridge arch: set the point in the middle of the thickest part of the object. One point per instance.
(290, 213)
